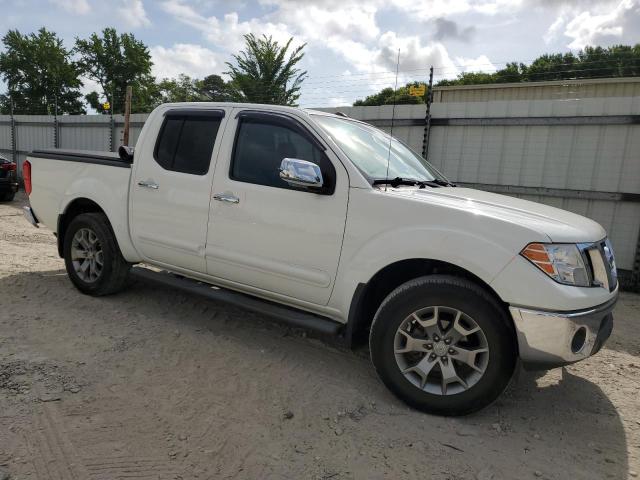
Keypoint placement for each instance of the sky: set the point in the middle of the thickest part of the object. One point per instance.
(351, 46)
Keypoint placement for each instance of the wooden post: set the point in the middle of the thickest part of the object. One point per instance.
(127, 115)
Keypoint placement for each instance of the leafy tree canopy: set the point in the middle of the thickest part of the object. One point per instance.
(115, 61)
(592, 62)
(265, 74)
(40, 75)
(212, 88)
(387, 97)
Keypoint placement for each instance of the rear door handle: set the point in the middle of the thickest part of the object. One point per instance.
(148, 184)
(226, 197)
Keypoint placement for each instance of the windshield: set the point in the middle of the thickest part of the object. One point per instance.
(368, 148)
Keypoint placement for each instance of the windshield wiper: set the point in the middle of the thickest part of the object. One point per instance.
(444, 183)
(397, 181)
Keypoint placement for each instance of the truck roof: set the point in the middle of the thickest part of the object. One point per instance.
(283, 108)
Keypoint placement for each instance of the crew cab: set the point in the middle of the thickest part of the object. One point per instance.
(329, 223)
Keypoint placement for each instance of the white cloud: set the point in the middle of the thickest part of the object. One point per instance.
(445, 8)
(133, 14)
(479, 64)
(554, 29)
(193, 60)
(325, 19)
(226, 33)
(79, 7)
(588, 28)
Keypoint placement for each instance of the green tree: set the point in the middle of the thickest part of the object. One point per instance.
(181, 89)
(265, 74)
(386, 97)
(592, 62)
(39, 74)
(115, 61)
(213, 88)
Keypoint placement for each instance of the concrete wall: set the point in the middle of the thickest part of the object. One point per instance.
(553, 90)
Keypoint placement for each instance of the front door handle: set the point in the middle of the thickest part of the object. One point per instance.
(148, 184)
(226, 197)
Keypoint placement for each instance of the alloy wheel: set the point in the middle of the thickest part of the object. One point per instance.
(87, 256)
(441, 350)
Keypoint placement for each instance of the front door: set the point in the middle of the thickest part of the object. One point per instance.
(264, 233)
(171, 188)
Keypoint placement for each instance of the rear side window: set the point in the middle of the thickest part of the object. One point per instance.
(260, 147)
(185, 142)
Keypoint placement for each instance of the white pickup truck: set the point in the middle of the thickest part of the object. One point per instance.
(329, 223)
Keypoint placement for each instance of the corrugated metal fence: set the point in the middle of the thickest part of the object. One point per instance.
(21, 134)
(582, 155)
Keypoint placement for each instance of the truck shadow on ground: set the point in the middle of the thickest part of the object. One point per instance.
(561, 418)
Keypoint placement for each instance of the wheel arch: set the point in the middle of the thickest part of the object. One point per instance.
(368, 296)
(76, 207)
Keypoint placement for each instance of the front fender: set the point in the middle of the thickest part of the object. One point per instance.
(479, 255)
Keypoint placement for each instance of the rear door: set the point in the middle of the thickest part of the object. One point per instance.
(171, 188)
(263, 233)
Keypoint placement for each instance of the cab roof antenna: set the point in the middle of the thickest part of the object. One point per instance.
(393, 117)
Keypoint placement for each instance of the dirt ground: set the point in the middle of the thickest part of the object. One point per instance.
(154, 384)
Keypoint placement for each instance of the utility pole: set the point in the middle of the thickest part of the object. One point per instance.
(427, 118)
(56, 139)
(127, 115)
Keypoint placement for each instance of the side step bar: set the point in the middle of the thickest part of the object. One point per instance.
(290, 316)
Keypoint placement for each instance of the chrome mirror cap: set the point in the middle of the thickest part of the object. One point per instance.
(301, 173)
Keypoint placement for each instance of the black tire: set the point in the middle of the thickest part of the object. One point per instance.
(456, 293)
(115, 269)
(7, 197)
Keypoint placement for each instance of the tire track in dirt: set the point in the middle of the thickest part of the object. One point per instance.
(56, 456)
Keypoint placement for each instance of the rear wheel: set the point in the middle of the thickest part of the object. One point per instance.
(7, 197)
(443, 345)
(92, 257)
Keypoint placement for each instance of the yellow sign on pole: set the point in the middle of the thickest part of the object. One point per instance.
(106, 106)
(418, 90)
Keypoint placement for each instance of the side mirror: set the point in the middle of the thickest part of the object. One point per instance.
(301, 173)
(125, 153)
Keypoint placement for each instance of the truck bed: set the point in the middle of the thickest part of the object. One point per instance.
(85, 156)
(59, 177)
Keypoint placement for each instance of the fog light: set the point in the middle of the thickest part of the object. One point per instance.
(578, 340)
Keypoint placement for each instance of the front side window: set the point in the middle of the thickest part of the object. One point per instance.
(261, 146)
(373, 151)
(185, 143)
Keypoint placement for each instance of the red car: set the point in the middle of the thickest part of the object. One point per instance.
(8, 179)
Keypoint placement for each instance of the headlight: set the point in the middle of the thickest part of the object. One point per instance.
(561, 261)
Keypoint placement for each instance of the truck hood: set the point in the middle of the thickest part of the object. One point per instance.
(559, 225)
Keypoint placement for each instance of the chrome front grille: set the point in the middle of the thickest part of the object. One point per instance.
(600, 258)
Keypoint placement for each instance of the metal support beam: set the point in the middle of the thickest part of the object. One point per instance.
(13, 133)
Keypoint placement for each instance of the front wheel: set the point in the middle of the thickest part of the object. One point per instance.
(443, 345)
(92, 256)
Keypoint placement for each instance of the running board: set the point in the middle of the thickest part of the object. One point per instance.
(290, 316)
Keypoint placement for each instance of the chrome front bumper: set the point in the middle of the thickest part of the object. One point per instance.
(552, 339)
(30, 216)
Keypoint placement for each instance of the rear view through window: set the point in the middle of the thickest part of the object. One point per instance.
(186, 141)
